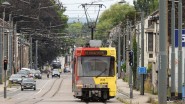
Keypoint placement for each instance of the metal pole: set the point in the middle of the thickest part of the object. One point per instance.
(1, 50)
(119, 59)
(138, 55)
(162, 86)
(10, 45)
(1, 56)
(180, 50)
(173, 49)
(142, 52)
(15, 53)
(92, 31)
(36, 54)
(130, 68)
(30, 52)
(20, 48)
(127, 44)
(4, 83)
(124, 46)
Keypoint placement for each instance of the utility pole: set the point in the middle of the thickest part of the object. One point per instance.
(138, 54)
(173, 49)
(30, 51)
(162, 83)
(119, 60)
(124, 45)
(10, 44)
(36, 54)
(1, 40)
(1, 55)
(21, 50)
(180, 49)
(142, 52)
(130, 66)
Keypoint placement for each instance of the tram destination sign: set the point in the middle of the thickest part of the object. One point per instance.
(96, 53)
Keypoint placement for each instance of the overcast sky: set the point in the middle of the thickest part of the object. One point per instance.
(74, 8)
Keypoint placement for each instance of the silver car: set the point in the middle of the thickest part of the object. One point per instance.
(15, 78)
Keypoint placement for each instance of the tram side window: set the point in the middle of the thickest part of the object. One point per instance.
(79, 69)
(111, 71)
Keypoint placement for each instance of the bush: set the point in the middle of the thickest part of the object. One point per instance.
(148, 85)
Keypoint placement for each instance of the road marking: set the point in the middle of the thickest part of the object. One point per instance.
(42, 87)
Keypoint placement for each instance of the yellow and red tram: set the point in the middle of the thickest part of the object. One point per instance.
(94, 73)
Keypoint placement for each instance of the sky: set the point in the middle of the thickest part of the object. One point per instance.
(75, 10)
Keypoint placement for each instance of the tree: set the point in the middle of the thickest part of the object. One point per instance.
(113, 16)
(148, 6)
(76, 31)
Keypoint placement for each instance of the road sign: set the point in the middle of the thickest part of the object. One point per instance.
(142, 70)
(176, 37)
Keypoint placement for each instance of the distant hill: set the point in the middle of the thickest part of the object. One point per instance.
(76, 19)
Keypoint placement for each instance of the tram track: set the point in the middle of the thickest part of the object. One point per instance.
(49, 93)
(56, 91)
(49, 88)
(52, 91)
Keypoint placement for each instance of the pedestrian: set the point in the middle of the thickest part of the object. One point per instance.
(48, 74)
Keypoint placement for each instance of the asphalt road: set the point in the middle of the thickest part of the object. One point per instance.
(49, 91)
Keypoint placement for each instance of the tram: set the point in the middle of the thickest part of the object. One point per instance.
(94, 72)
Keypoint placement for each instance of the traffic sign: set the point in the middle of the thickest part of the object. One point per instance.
(176, 37)
(142, 70)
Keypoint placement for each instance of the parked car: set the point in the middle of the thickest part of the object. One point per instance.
(38, 74)
(15, 78)
(28, 83)
(55, 73)
(24, 73)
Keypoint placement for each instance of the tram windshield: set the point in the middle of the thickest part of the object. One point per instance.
(96, 66)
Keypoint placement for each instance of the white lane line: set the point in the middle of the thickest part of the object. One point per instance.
(42, 88)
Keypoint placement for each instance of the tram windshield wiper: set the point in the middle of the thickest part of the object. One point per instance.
(101, 73)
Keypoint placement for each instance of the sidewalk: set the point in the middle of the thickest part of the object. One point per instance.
(8, 88)
(124, 96)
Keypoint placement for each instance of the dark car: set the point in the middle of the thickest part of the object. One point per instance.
(28, 83)
(38, 74)
(55, 73)
(15, 78)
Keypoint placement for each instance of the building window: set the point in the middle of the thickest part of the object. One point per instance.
(150, 55)
(150, 41)
(150, 23)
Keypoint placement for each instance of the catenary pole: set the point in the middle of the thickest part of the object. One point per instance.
(36, 54)
(142, 52)
(130, 67)
(162, 86)
(180, 49)
(138, 54)
(10, 44)
(173, 49)
(119, 55)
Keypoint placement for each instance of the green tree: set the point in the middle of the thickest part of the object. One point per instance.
(111, 17)
(76, 31)
(148, 6)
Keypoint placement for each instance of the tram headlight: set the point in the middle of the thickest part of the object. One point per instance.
(79, 84)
